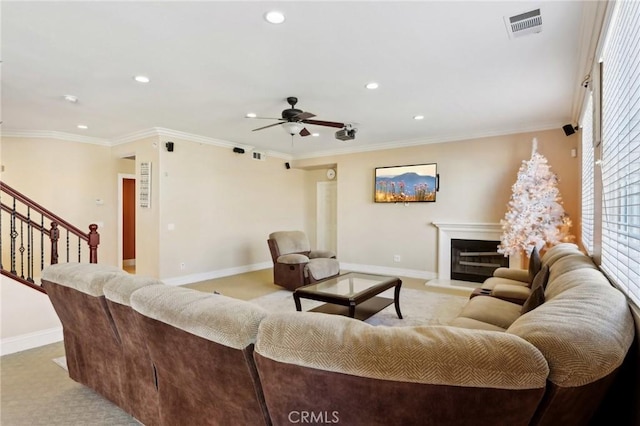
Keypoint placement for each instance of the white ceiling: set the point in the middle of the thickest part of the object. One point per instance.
(210, 63)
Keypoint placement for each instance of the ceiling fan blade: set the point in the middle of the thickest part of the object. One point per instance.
(304, 116)
(324, 123)
(304, 132)
(265, 127)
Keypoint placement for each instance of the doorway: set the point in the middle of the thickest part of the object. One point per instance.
(327, 216)
(127, 222)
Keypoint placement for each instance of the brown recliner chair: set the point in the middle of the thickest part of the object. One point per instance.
(295, 264)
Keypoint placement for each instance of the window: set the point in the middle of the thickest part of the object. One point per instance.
(620, 111)
(588, 182)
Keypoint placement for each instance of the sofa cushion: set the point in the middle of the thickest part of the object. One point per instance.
(229, 322)
(557, 252)
(511, 292)
(88, 278)
(491, 283)
(293, 259)
(424, 354)
(515, 274)
(322, 268)
(493, 311)
(584, 332)
(473, 324)
(291, 241)
(119, 289)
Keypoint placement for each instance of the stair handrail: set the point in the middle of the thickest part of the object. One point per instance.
(92, 237)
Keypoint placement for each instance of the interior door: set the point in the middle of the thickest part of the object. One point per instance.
(327, 216)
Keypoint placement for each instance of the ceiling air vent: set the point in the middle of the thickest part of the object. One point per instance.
(259, 155)
(524, 23)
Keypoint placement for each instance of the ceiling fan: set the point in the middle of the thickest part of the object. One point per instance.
(292, 120)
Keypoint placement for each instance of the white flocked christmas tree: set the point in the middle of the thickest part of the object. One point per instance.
(535, 216)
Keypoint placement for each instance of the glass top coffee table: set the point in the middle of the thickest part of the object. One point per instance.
(353, 294)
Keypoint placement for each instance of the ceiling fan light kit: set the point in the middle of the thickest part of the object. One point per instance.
(292, 128)
(293, 121)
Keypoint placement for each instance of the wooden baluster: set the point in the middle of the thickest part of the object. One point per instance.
(94, 240)
(54, 235)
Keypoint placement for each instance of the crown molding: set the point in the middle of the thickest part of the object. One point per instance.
(431, 140)
(162, 132)
(51, 134)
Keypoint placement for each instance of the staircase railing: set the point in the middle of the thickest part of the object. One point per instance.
(33, 234)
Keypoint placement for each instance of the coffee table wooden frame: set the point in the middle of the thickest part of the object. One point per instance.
(366, 301)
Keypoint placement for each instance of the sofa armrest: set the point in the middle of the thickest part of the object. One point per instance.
(292, 259)
(314, 254)
(512, 293)
(512, 274)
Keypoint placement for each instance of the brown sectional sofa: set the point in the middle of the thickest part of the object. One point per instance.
(218, 360)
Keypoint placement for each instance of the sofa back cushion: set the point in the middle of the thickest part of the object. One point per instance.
(566, 266)
(362, 373)
(291, 242)
(88, 278)
(583, 331)
(91, 340)
(558, 251)
(202, 347)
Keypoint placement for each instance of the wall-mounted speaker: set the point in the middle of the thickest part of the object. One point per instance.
(169, 146)
(287, 166)
(238, 150)
(569, 129)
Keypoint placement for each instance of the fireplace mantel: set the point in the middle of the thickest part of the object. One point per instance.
(465, 231)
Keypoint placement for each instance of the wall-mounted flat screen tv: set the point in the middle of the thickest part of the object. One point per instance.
(406, 184)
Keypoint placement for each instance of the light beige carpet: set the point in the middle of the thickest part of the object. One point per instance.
(418, 307)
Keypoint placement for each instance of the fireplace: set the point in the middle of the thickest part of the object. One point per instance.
(468, 231)
(475, 260)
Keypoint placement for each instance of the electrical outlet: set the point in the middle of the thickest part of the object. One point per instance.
(396, 258)
(182, 266)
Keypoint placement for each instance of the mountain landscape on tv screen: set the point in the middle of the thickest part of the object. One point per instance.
(407, 187)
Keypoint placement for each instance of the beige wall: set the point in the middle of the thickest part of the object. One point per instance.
(223, 205)
(67, 178)
(475, 186)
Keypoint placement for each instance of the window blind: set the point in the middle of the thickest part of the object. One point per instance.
(621, 150)
(587, 219)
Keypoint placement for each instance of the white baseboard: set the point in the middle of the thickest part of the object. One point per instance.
(30, 340)
(204, 276)
(384, 270)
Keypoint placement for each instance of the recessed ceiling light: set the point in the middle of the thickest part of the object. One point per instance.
(71, 98)
(251, 115)
(418, 117)
(83, 126)
(274, 17)
(372, 85)
(315, 134)
(141, 78)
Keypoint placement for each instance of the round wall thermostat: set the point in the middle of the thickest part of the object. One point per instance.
(331, 174)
